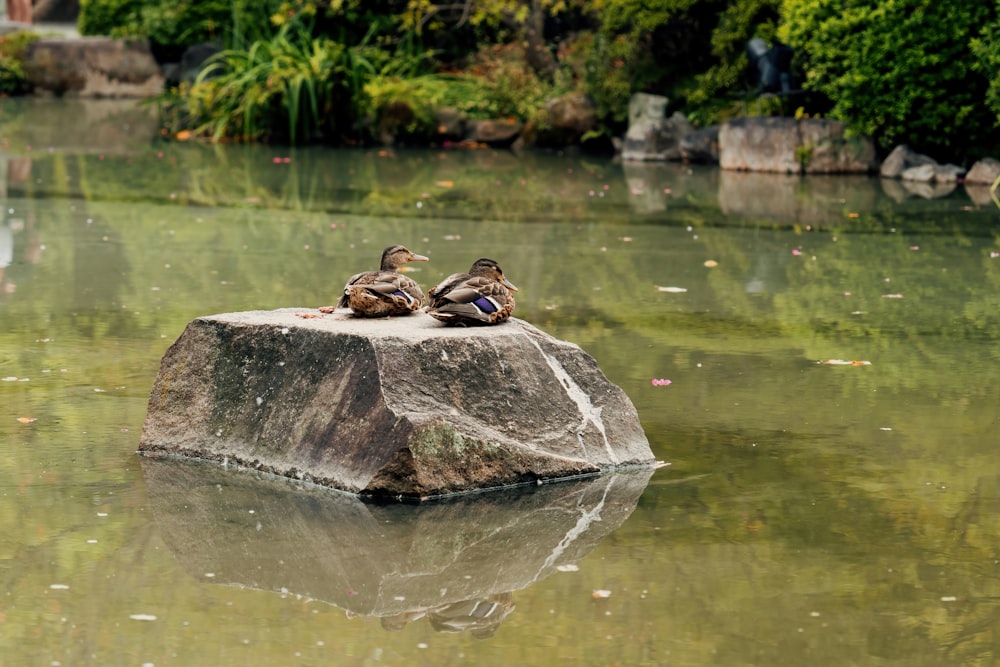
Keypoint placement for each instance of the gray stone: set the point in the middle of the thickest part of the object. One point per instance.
(379, 560)
(398, 407)
(933, 173)
(700, 146)
(643, 106)
(564, 121)
(900, 159)
(984, 172)
(498, 133)
(656, 139)
(791, 146)
(93, 67)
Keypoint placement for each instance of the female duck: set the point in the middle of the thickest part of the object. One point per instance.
(481, 296)
(385, 292)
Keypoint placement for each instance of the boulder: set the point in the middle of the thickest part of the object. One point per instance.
(93, 67)
(933, 173)
(902, 158)
(651, 136)
(564, 121)
(793, 146)
(984, 172)
(381, 560)
(497, 133)
(700, 146)
(402, 407)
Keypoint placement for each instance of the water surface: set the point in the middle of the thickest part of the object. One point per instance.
(813, 513)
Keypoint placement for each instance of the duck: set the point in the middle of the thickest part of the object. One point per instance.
(480, 297)
(386, 292)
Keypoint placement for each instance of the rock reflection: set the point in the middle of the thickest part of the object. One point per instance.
(456, 562)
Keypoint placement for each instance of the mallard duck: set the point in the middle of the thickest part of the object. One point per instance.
(384, 292)
(481, 296)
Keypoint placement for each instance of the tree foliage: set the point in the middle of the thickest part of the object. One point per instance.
(900, 71)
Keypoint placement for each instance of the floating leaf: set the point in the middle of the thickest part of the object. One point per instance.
(672, 290)
(892, 296)
(601, 594)
(27, 420)
(844, 362)
(661, 382)
(711, 263)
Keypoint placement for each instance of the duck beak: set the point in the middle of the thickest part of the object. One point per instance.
(418, 258)
(509, 284)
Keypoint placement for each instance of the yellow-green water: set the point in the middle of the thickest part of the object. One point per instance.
(812, 514)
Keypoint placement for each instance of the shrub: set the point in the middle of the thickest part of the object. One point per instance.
(12, 76)
(285, 88)
(900, 71)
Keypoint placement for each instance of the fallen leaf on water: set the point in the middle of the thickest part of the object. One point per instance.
(661, 382)
(445, 184)
(844, 362)
(601, 594)
(892, 296)
(568, 568)
(672, 290)
(711, 263)
(27, 420)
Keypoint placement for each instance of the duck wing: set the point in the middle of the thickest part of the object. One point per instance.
(473, 300)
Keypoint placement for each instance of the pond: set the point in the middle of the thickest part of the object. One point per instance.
(818, 360)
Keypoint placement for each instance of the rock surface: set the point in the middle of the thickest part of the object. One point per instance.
(380, 559)
(791, 146)
(650, 135)
(984, 172)
(93, 67)
(401, 407)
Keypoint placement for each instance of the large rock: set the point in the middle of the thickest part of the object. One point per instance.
(402, 407)
(650, 135)
(391, 561)
(93, 67)
(791, 146)
(984, 172)
(902, 158)
(564, 121)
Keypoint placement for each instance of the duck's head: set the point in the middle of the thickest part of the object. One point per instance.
(396, 256)
(488, 268)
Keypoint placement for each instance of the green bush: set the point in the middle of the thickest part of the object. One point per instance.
(178, 24)
(13, 80)
(111, 17)
(286, 88)
(901, 71)
(986, 49)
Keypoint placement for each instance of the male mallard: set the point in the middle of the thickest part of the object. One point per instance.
(481, 296)
(384, 292)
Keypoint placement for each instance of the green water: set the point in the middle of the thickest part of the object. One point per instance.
(812, 514)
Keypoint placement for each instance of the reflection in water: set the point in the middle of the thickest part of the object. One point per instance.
(455, 562)
(19, 246)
